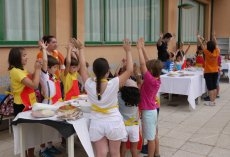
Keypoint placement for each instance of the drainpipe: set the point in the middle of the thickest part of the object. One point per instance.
(211, 22)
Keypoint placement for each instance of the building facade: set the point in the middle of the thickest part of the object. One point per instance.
(102, 24)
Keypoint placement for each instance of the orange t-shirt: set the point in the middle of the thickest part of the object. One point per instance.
(56, 54)
(211, 61)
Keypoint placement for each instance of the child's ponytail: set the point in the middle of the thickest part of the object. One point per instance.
(98, 88)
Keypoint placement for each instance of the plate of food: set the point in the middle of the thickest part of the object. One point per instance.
(182, 75)
(69, 112)
(44, 113)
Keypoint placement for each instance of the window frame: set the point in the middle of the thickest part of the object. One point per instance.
(198, 20)
(5, 43)
(114, 43)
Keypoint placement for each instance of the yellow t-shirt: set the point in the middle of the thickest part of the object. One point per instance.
(68, 80)
(16, 77)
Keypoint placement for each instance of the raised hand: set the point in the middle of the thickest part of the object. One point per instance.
(161, 35)
(126, 45)
(77, 43)
(139, 44)
(42, 44)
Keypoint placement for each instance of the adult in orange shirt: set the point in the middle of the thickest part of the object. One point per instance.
(51, 42)
(211, 66)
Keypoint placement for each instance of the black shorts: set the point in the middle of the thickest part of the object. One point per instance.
(211, 80)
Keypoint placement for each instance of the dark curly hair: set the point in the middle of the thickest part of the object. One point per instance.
(130, 95)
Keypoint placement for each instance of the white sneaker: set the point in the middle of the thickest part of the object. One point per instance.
(212, 103)
(207, 103)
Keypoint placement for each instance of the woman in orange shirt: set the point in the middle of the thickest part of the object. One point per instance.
(211, 67)
(51, 42)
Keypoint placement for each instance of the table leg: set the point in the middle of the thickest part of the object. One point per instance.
(190, 108)
(22, 142)
(70, 141)
(198, 100)
(170, 97)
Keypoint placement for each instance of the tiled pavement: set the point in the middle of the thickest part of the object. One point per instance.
(204, 132)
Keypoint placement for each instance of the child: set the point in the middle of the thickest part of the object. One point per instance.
(188, 63)
(69, 76)
(50, 84)
(180, 55)
(199, 57)
(151, 71)
(128, 98)
(22, 83)
(181, 51)
(51, 91)
(106, 128)
(144, 149)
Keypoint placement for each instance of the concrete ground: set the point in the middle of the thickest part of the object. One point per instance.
(204, 132)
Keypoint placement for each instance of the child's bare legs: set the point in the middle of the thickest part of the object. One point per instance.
(151, 148)
(101, 147)
(123, 149)
(133, 149)
(217, 90)
(114, 148)
(157, 151)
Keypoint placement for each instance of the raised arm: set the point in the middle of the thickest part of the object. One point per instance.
(44, 55)
(199, 38)
(129, 63)
(214, 39)
(159, 42)
(187, 48)
(143, 49)
(83, 69)
(141, 57)
(68, 58)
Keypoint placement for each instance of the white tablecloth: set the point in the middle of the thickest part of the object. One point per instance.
(226, 65)
(36, 134)
(192, 86)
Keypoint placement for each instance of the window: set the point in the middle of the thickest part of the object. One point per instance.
(114, 20)
(192, 21)
(22, 21)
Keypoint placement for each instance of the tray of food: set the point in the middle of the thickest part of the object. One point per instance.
(69, 112)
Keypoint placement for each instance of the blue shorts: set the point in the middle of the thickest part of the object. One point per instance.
(149, 124)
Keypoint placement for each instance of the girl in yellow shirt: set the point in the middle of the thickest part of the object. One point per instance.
(22, 83)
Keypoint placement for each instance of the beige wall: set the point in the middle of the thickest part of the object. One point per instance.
(221, 18)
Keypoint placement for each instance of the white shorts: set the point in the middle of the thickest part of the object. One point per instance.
(112, 130)
(149, 123)
(132, 133)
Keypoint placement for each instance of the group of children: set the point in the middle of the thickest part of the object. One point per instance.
(116, 108)
(178, 61)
